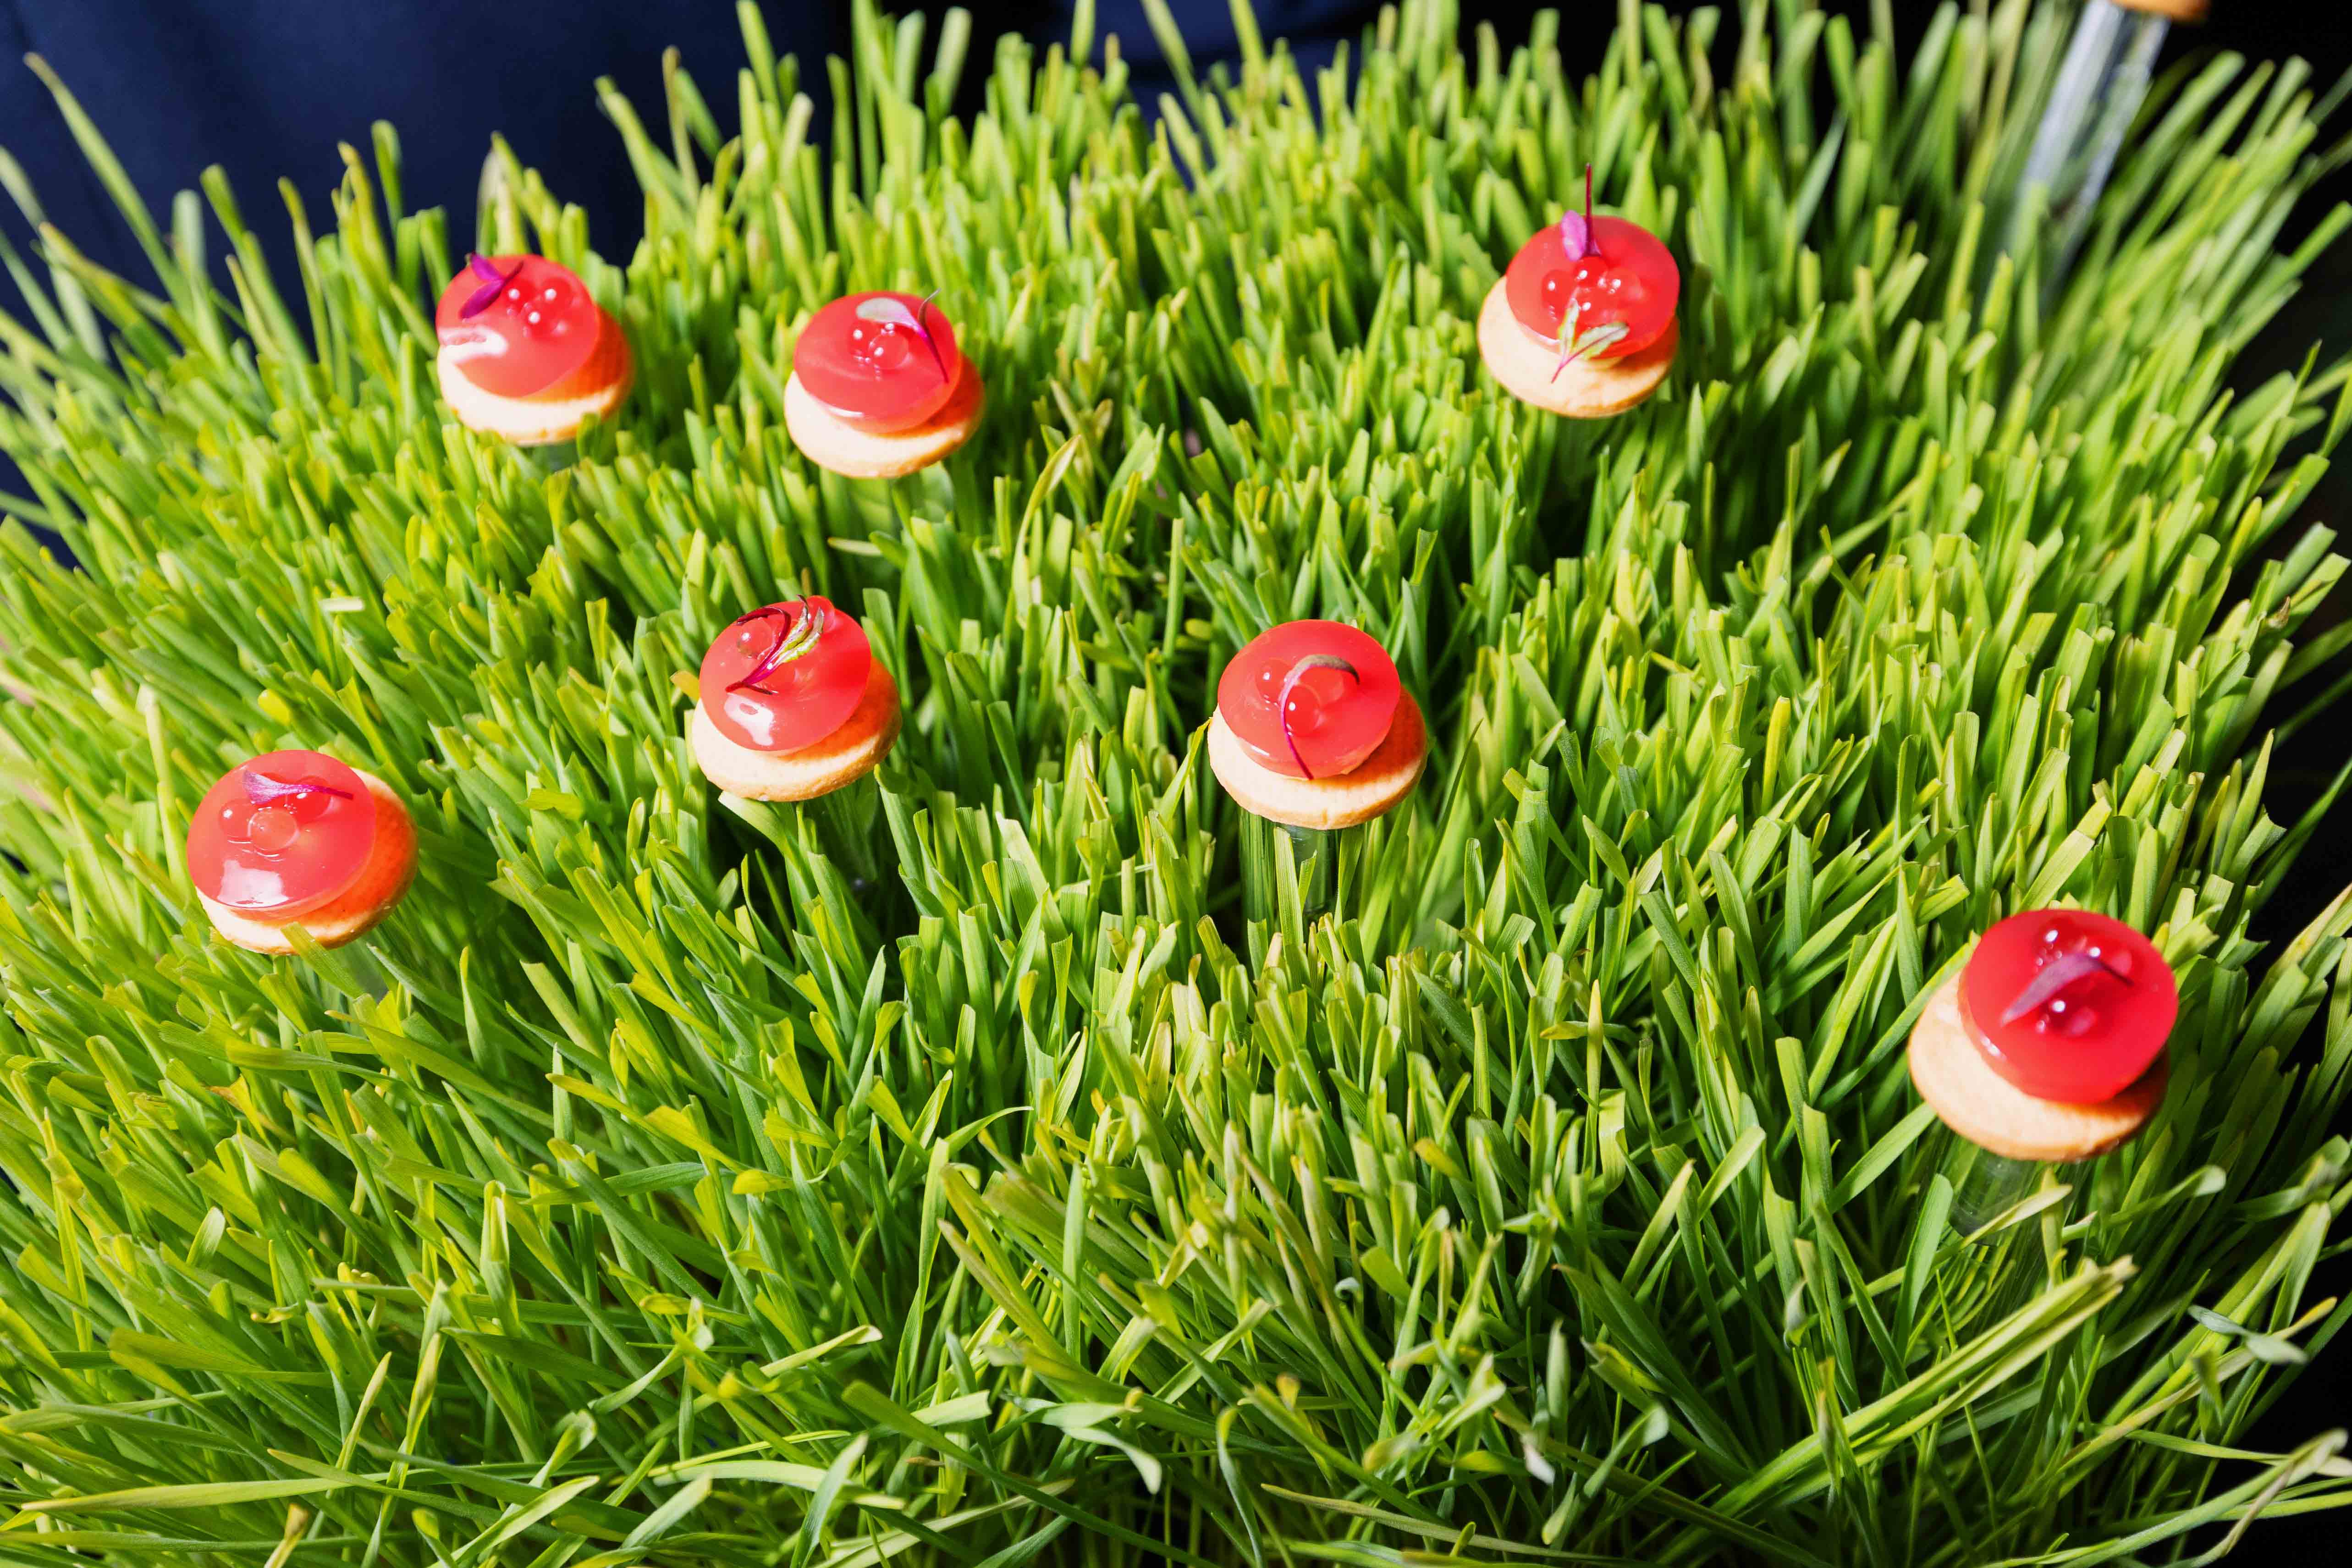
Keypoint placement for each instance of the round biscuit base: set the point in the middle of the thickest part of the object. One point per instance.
(529, 422)
(1953, 1076)
(831, 441)
(358, 909)
(1371, 789)
(845, 756)
(1586, 388)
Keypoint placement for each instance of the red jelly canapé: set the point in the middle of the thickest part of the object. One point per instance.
(281, 835)
(2068, 1005)
(1582, 275)
(883, 361)
(1309, 699)
(517, 324)
(786, 675)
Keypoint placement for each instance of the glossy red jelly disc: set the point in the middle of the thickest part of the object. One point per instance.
(1631, 278)
(1337, 718)
(518, 324)
(884, 362)
(282, 834)
(774, 682)
(2068, 1005)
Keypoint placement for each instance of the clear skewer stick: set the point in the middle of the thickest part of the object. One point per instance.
(1276, 854)
(2098, 92)
(844, 821)
(2000, 1269)
(1985, 1186)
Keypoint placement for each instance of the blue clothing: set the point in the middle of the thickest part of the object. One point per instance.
(268, 88)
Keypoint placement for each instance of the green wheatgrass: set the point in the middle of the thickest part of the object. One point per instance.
(638, 1193)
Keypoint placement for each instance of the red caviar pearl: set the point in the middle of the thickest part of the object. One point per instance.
(2079, 1034)
(259, 848)
(538, 329)
(1337, 720)
(272, 830)
(1632, 279)
(796, 704)
(879, 375)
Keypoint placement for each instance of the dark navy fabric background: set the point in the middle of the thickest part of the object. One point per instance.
(268, 88)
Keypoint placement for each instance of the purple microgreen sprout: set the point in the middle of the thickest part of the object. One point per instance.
(1581, 239)
(494, 284)
(260, 789)
(891, 310)
(806, 628)
(1575, 235)
(2055, 976)
(1290, 683)
(1576, 231)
